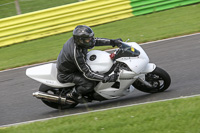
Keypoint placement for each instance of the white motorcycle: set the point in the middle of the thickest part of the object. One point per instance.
(130, 61)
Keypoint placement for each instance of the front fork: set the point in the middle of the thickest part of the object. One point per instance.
(142, 80)
(149, 68)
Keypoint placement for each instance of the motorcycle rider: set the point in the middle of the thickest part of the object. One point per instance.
(72, 66)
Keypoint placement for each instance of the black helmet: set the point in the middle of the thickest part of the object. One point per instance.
(84, 37)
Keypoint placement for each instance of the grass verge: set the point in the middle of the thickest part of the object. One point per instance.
(174, 116)
(7, 7)
(160, 25)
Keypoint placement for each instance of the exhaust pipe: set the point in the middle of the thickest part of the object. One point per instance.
(50, 97)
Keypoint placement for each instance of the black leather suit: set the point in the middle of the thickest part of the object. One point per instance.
(72, 66)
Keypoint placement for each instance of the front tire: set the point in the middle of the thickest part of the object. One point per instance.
(58, 92)
(159, 79)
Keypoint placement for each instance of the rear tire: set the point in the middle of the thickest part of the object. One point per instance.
(55, 91)
(159, 79)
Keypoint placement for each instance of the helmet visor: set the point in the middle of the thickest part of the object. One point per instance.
(88, 42)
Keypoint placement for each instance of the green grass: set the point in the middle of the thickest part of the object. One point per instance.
(175, 116)
(160, 25)
(7, 7)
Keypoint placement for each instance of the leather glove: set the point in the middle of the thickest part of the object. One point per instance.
(116, 42)
(111, 78)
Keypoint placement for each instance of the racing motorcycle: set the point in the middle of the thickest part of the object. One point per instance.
(130, 62)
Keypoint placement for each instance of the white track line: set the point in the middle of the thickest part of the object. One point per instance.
(171, 38)
(27, 122)
(108, 50)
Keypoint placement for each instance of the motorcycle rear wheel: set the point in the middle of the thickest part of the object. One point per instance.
(51, 90)
(159, 79)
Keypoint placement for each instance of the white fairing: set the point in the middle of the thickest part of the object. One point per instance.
(46, 74)
(99, 61)
(136, 64)
(139, 65)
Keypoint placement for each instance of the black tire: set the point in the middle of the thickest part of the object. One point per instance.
(51, 90)
(159, 78)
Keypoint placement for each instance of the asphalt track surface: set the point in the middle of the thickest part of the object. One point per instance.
(178, 56)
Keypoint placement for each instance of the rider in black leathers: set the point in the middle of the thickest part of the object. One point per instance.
(72, 66)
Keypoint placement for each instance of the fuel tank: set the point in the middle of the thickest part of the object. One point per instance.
(99, 61)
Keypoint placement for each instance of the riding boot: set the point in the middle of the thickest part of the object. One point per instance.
(74, 96)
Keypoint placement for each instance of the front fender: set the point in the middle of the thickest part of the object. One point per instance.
(149, 68)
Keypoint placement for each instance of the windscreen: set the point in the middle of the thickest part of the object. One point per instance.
(126, 51)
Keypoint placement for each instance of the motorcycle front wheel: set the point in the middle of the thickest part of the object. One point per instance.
(58, 92)
(159, 79)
